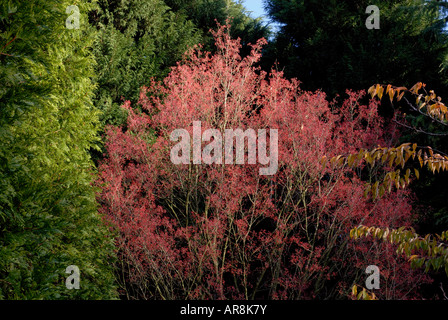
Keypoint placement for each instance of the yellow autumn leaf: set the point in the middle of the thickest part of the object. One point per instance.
(380, 92)
(391, 94)
(371, 91)
(413, 257)
(354, 290)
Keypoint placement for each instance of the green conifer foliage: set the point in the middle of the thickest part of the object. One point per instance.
(48, 213)
(142, 39)
(205, 14)
(136, 40)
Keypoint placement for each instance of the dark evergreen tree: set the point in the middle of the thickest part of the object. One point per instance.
(327, 45)
(205, 14)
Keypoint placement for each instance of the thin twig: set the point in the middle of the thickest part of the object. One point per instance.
(425, 114)
(443, 291)
(9, 42)
(420, 130)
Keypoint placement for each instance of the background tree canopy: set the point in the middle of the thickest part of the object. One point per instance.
(327, 46)
(141, 39)
(73, 100)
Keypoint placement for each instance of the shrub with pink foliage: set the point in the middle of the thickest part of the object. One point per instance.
(223, 231)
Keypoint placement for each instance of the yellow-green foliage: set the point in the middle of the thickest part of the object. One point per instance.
(430, 251)
(48, 214)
